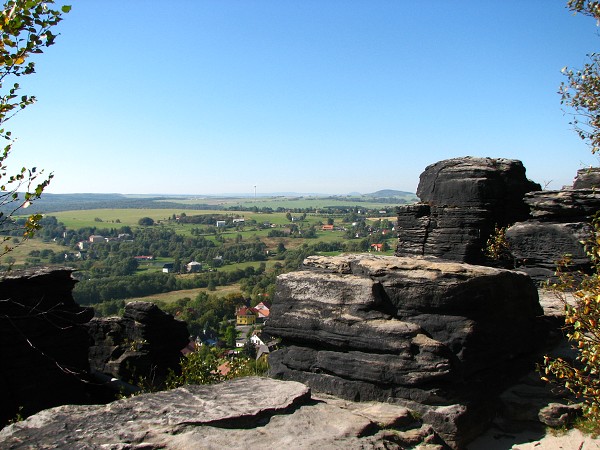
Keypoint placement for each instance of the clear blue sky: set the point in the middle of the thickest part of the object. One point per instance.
(329, 96)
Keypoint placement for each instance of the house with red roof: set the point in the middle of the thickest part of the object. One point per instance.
(246, 316)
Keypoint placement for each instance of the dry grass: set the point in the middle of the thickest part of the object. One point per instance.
(169, 297)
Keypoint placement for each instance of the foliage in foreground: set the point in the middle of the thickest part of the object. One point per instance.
(206, 366)
(25, 27)
(581, 96)
(581, 377)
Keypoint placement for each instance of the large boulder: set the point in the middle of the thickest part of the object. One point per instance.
(462, 201)
(445, 335)
(43, 344)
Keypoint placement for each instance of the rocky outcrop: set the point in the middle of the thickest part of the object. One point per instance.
(435, 335)
(144, 344)
(462, 201)
(557, 226)
(244, 413)
(43, 345)
(46, 339)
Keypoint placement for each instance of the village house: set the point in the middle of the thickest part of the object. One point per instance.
(95, 238)
(327, 228)
(193, 267)
(263, 342)
(262, 310)
(377, 247)
(168, 268)
(144, 258)
(246, 316)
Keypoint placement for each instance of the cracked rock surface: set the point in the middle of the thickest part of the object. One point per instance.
(251, 412)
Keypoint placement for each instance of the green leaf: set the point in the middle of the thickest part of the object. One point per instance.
(66, 8)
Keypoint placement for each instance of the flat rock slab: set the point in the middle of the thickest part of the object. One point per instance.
(248, 412)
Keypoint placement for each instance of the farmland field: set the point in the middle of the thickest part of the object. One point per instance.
(127, 262)
(170, 297)
(296, 202)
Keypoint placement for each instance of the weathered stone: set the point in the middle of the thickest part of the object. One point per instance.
(558, 226)
(541, 244)
(559, 415)
(462, 201)
(565, 205)
(43, 344)
(587, 178)
(244, 413)
(476, 182)
(144, 343)
(368, 327)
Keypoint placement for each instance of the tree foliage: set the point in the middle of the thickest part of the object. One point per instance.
(581, 376)
(26, 30)
(580, 93)
(207, 366)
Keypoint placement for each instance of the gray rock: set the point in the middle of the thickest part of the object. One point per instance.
(565, 205)
(539, 245)
(559, 415)
(444, 334)
(587, 178)
(462, 201)
(496, 183)
(244, 413)
(559, 224)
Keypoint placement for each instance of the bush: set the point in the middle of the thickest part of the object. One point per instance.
(581, 376)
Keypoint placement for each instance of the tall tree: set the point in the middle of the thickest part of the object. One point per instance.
(581, 92)
(26, 30)
(581, 96)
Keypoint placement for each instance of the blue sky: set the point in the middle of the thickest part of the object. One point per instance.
(216, 96)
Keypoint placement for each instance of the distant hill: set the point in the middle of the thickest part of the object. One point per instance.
(391, 193)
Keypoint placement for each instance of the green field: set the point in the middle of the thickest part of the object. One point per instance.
(295, 202)
(107, 221)
(169, 297)
(115, 218)
(21, 252)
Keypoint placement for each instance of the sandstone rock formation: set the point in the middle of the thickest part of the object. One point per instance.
(462, 200)
(438, 336)
(244, 413)
(557, 226)
(143, 344)
(43, 346)
(46, 339)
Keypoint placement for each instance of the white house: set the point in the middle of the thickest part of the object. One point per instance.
(193, 267)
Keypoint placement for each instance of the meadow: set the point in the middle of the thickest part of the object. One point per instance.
(256, 228)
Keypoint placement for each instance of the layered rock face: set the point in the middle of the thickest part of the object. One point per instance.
(462, 200)
(43, 345)
(143, 344)
(445, 335)
(557, 226)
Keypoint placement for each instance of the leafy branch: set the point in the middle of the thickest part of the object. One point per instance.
(25, 30)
